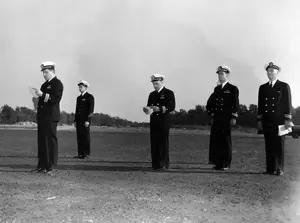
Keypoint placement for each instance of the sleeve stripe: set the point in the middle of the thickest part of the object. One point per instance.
(46, 97)
(259, 116)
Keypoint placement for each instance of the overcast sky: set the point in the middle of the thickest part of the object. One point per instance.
(117, 44)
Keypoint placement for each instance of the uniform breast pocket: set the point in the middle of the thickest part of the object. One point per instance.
(226, 95)
(278, 92)
(162, 101)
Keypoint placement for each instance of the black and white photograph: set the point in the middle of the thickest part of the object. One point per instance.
(149, 111)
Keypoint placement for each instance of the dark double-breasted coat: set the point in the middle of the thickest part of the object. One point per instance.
(274, 107)
(48, 115)
(160, 126)
(222, 106)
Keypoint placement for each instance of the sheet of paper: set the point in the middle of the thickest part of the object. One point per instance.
(149, 110)
(283, 131)
(32, 90)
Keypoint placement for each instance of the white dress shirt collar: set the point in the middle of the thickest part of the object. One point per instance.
(272, 82)
(223, 84)
(51, 78)
(160, 89)
(83, 93)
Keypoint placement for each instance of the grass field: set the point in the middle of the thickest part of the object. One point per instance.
(118, 185)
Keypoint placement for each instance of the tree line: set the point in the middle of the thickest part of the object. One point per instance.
(9, 115)
(182, 118)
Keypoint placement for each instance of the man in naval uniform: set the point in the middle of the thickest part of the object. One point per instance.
(48, 115)
(161, 102)
(222, 106)
(274, 109)
(83, 115)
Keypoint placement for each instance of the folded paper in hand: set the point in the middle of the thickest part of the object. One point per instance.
(148, 110)
(283, 131)
(33, 92)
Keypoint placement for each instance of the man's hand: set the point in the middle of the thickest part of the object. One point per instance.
(259, 126)
(233, 121)
(288, 124)
(86, 124)
(155, 108)
(39, 92)
(75, 124)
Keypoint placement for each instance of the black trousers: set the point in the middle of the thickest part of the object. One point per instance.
(160, 150)
(83, 139)
(47, 144)
(220, 145)
(274, 146)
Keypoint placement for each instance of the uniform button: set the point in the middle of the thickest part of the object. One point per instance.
(266, 111)
(266, 104)
(272, 104)
(266, 98)
(273, 98)
(273, 111)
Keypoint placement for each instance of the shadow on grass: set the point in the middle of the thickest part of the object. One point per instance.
(17, 167)
(71, 159)
(17, 156)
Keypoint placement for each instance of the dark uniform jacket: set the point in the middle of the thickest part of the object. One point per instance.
(274, 103)
(48, 105)
(223, 103)
(84, 108)
(165, 100)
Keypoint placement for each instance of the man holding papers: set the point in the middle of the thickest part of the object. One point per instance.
(48, 115)
(274, 110)
(161, 102)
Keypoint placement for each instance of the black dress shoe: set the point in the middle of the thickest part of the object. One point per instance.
(216, 168)
(37, 170)
(279, 173)
(164, 169)
(224, 168)
(78, 157)
(48, 172)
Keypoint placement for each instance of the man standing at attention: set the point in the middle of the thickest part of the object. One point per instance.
(48, 115)
(83, 116)
(222, 106)
(274, 109)
(160, 103)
